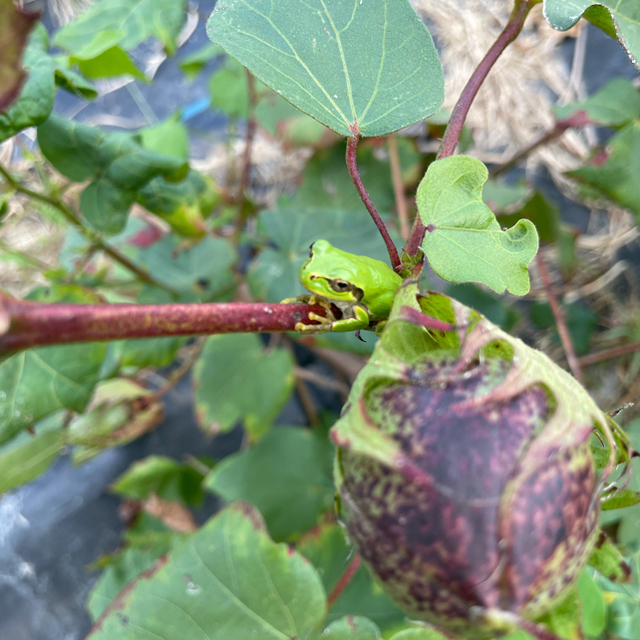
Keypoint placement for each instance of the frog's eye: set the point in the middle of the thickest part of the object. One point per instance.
(340, 285)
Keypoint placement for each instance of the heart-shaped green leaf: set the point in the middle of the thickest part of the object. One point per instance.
(357, 67)
(464, 242)
(618, 18)
(227, 580)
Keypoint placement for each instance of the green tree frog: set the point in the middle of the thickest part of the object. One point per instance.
(361, 288)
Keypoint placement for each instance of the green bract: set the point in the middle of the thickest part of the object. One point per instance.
(464, 471)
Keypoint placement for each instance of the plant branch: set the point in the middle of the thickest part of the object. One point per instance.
(565, 336)
(343, 581)
(460, 111)
(608, 354)
(398, 187)
(32, 324)
(579, 119)
(185, 366)
(352, 165)
(92, 236)
(509, 34)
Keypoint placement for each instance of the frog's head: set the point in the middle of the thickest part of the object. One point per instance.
(326, 273)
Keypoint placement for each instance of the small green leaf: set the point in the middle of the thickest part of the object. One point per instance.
(236, 380)
(229, 90)
(287, 476)
(464, 242)
(326, 549)
(618, 18)
(593, 605)
(163, 476)
(226, 580)
(169, 137)
(350, 628)
(369, 65)
(29, 455)
(617, 103)
(607, 560)
(112, 419)
(614, 172)
(195, 63)
(621, 499)
(125, 23)
(108, 63)
(564, 619)
(15, 25)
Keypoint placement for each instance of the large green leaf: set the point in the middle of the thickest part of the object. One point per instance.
(236, 380)
(28, 455)
(128, 564)
(100, 36)
(227, 580)
(15, 25)
(464, 242)
(119, 165)
(203, 269)
(327, 550)
(614, 173)
(354, 66)
(618, 18)
(287, 476)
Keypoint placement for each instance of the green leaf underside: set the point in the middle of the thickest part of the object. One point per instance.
(370, 64)
(132, 21)
(227, 580)
(236, 380)
(27, 455)
(287, 476)
(38, 382)
(619, 17)
(464, 241)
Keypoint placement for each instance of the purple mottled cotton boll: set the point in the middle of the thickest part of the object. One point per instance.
(464, 470)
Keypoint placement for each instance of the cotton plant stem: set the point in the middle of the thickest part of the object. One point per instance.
(343, 581)
(460, 111)
(565, 336)
(32, 324)
(92, 236)
(398, 187)
(352, 165)
(185, 366)
(608, 354)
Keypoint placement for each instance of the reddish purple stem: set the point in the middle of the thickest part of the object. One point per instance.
(454, 128)
(32, 324)
(352, 164)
